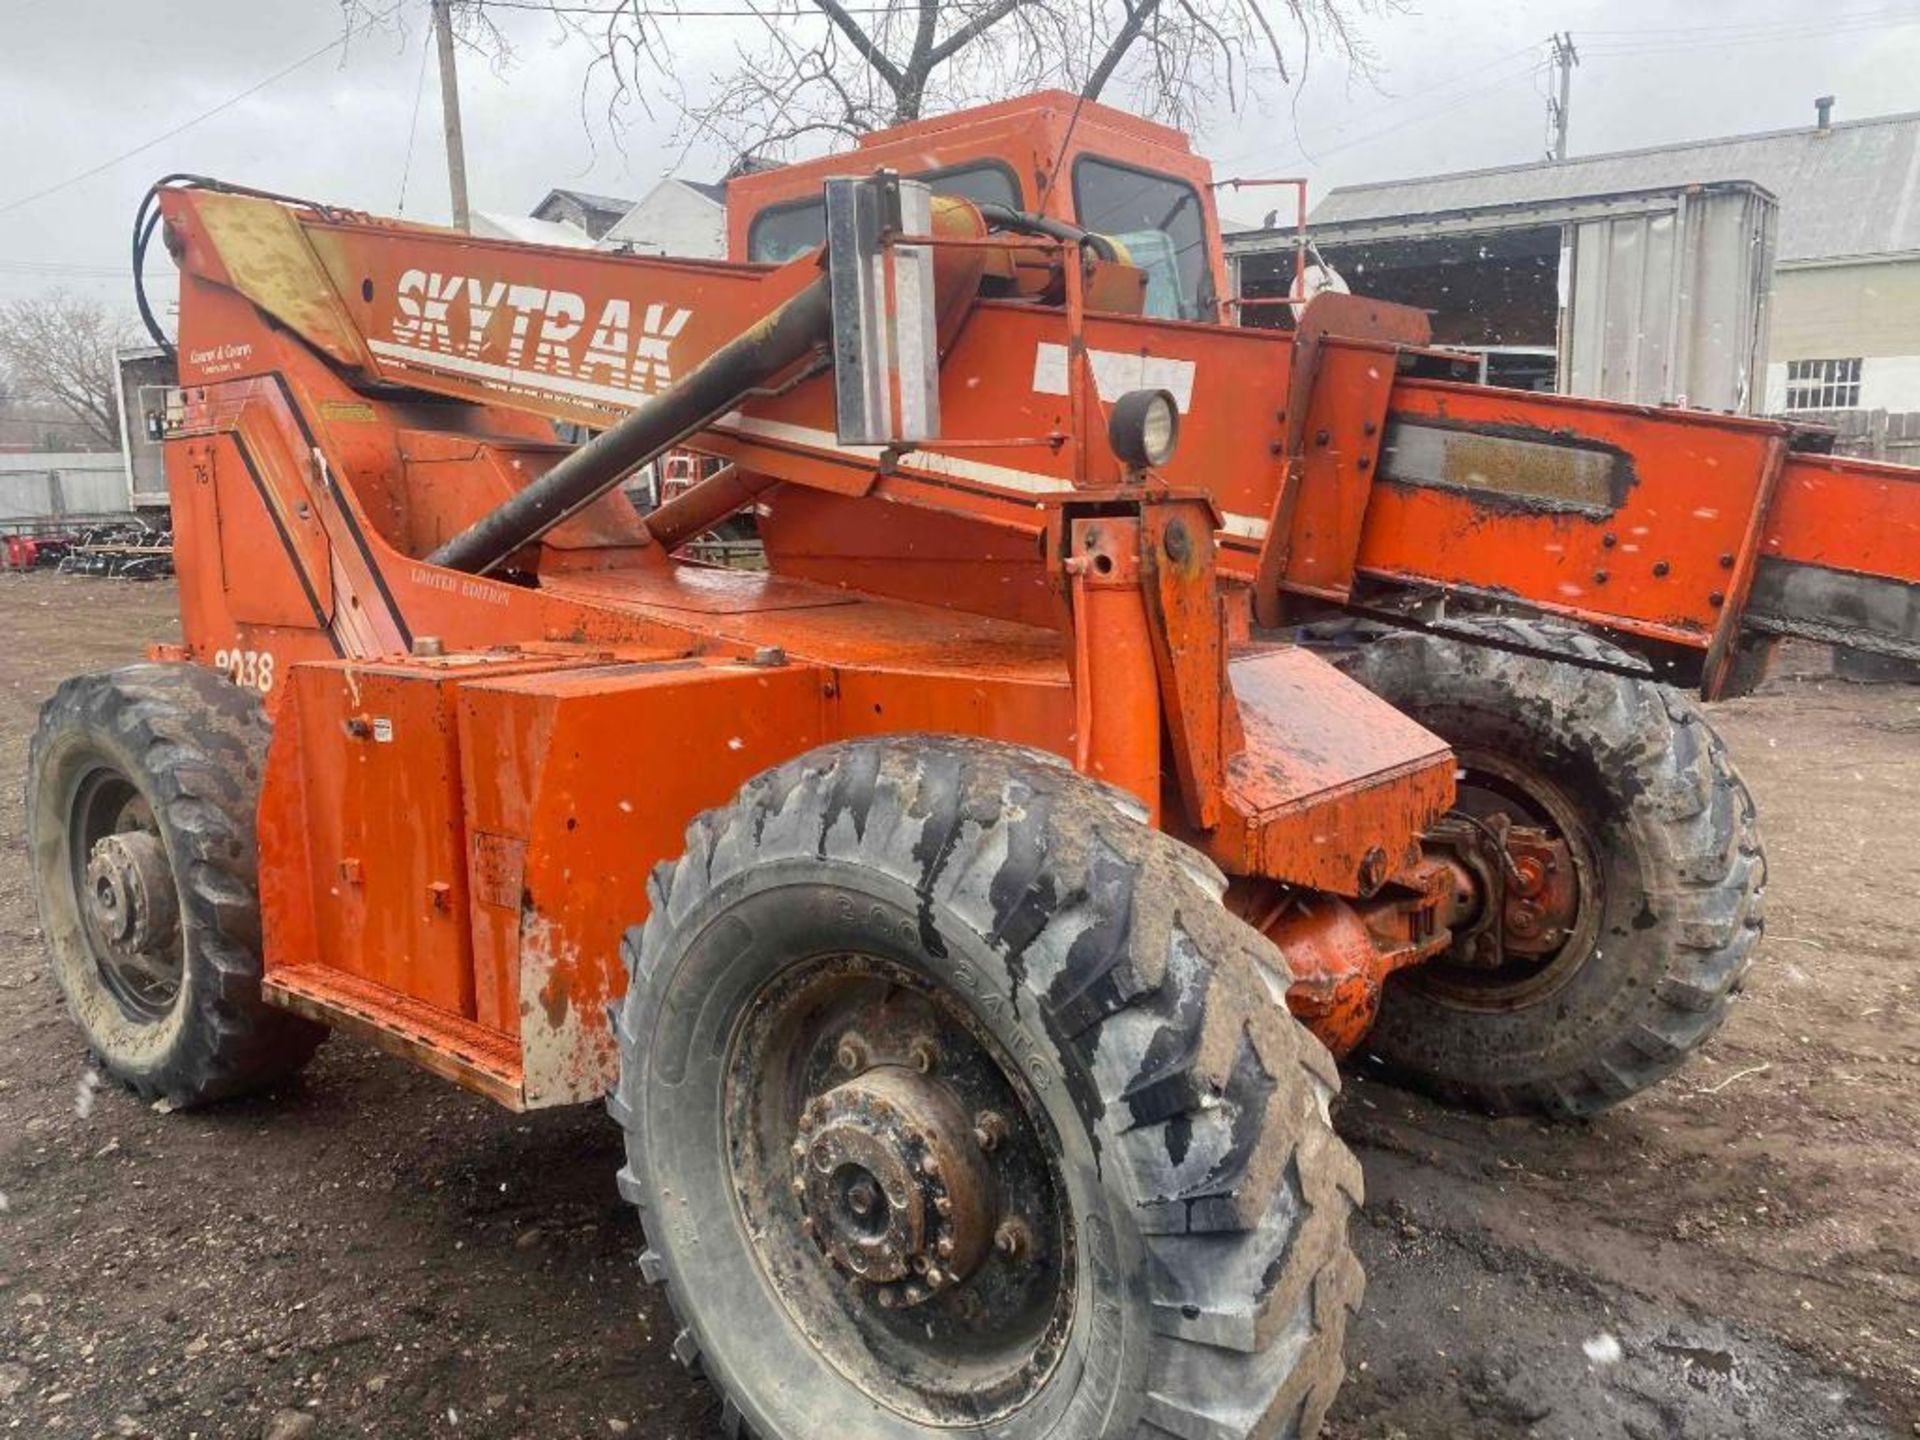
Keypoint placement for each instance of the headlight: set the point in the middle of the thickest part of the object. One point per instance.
(1144, 428)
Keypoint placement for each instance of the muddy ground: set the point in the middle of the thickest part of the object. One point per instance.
(1733, 1255)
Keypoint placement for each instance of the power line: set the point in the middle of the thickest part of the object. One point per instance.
(1803, 30)
(1318, 154)
(1440, 89)
(670, 12)
(1475, 94)
(55, 270)
(1841, 17)
(413, 125)
(203, 116)
(383, 17)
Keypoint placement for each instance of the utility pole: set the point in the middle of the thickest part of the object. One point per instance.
(450, 113)
(1565, 57)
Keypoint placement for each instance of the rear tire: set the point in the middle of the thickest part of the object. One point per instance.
(1677, 870)
(1177, 1112)
(141, 790)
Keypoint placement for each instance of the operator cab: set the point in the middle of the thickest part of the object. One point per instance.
(1050, 154)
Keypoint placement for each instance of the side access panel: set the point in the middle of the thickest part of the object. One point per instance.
(363, 869)
(452, 848)
(577, 784)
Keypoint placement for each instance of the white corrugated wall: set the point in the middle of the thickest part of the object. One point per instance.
(55, 486)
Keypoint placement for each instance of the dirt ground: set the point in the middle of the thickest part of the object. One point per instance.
(1736, 1254)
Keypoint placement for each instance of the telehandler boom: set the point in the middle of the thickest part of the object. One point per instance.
(962, 914)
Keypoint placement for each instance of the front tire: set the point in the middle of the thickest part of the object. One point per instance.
(972, 992)
(1662, 831)
(141, 790)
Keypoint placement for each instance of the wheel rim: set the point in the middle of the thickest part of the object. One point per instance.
(1491, 785)
(897, 1180)
(123, 891)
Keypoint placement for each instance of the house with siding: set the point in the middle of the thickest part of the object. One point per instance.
(595, 214)
(676, 217)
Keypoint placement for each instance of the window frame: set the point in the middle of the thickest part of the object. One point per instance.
(1824, 383)
(1206, 298)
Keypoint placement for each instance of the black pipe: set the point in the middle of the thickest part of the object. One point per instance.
(1023, 222)
(709, 390)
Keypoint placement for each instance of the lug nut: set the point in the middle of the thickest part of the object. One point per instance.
(1012, 1239)
(989, 1130)
(943, 1247)
(885, 1299)
(852, 1054)
(923, 1055)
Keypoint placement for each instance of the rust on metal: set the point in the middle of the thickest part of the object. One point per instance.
(878, 1134)
(877, 1155)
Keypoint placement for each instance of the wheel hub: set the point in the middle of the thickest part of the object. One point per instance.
(129, 893)
(893, 1186)
(900, 1183)
(1528, 896)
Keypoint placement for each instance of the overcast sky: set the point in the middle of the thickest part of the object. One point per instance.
(1460, 84)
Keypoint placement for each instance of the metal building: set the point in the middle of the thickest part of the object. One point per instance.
(1843, 323)
(62, 486)
(1652, 296)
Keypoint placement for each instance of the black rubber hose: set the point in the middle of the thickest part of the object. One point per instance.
(1023, 222)
(147, 219)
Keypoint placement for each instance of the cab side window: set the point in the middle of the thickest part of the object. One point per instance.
(781, 232)
(1159, 221)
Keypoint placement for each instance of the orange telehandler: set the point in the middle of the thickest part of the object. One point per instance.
(1136, 712)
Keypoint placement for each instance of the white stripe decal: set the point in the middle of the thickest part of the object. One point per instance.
(508, 375)
(1115, 372)
(1003, 477)
(1249, 527)
(1027, 482)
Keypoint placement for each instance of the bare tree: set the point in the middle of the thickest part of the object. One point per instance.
(841, 68)
(58, 349)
